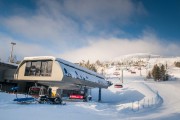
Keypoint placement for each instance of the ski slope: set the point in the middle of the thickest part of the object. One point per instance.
(137, 100)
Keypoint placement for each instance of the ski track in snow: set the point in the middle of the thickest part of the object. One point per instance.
(116, 103)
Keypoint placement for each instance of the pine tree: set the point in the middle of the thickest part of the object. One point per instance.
(166, 77)
(88, 65)
(163, 71)
(149, 75)
(177, 64)
(98, 63)
(159, 73)
(154, 70)
(156, 73)
(112, 64)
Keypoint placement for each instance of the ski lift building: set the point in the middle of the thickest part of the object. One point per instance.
(51, 71)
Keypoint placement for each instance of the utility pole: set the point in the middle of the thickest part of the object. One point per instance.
(122, 76)
(11, 55)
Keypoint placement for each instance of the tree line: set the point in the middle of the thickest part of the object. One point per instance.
(158, 73)
(88, 65)
(177, 64)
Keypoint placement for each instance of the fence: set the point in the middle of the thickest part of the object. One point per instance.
(146, 103)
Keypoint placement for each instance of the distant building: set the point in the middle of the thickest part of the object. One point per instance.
(7, 71)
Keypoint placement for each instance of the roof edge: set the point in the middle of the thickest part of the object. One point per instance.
(40, 58)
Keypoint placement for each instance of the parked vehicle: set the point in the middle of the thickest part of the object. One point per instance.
(41, 95)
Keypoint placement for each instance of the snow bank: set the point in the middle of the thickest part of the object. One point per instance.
(137, 100)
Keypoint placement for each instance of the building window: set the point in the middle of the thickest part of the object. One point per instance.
(38, 68)
(27, 70)
(46, 68)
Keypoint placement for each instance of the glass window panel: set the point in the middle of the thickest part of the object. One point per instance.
(49, 67)
(27, 69)
(38, 68)
(43, 68)
(46, 68)
(33, 69)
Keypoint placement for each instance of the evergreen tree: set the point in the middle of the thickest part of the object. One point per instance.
(163, 72)
(166, 77)
(154, 70)
(112, 64)
(177, 64)
(119, 63)
(98, 63)
(159, 73)
(88, 65)
(156, 73)
(149, 75)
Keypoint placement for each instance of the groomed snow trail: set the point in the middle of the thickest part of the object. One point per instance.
(116, 103)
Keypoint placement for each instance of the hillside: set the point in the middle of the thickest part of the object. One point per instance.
(137, 100)
(133, 61)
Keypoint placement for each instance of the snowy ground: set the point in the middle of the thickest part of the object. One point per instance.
(137, 100)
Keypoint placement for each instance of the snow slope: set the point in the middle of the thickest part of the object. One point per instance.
(137, 100)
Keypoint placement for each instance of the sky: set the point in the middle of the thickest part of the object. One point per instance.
(78, 30)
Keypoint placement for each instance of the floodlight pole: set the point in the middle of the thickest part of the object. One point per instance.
(11, 59)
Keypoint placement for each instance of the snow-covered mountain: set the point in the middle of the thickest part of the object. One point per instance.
(136, 56)
(144, 57)
(135, 61)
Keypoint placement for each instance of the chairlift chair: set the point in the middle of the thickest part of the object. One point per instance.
(118, 86)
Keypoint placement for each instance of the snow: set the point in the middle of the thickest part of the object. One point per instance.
(81, 73)
(136, 55)
(139, 99)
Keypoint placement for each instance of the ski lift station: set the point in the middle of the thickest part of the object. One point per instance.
(58, 74)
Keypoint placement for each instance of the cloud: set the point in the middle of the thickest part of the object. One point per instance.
(43, 29)
(47, 26)
(78, 30)
(107, 49)
(22, 49)
(70, 22)
(103, 10)
(96, 49)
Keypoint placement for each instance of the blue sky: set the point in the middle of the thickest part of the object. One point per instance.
(88, 29)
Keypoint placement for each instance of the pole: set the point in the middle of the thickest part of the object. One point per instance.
(11, 59)
(86, 94)
(99, 98)
(122, 75)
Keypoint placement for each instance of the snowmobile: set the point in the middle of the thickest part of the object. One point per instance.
(41, 95)
(44, 95)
